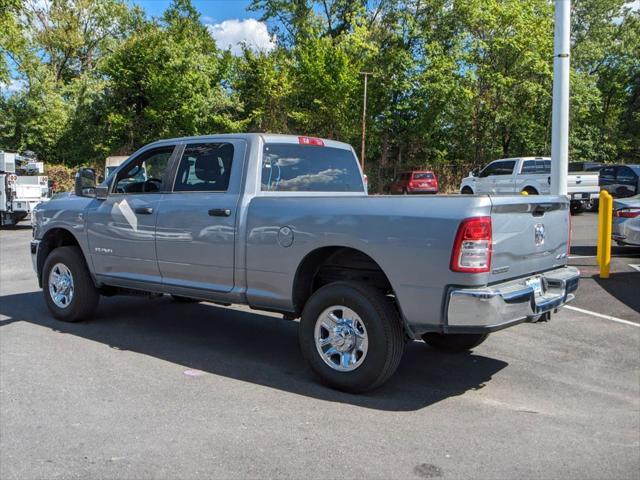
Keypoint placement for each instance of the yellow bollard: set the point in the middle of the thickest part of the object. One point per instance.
(605, 220)
(524, 193)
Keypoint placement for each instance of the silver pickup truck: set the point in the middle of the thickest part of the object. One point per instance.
(284, 224)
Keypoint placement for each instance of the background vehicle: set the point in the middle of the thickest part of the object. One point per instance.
(620, 180)
(417, 181)
(283, 223)
(585, 166)
(531, 175)
(21, 187)
(626, 221)
(112, 163)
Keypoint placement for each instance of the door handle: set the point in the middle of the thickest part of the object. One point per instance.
(219, 212)
(144, 210)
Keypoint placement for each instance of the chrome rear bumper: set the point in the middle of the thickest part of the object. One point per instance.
(499, 306)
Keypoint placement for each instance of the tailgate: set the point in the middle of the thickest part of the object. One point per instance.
(530, 235)
(583, 182)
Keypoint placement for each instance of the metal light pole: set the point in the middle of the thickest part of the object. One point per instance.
(560, 110)
(364, 118)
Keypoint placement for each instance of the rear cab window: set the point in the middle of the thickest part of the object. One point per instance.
(289, 167)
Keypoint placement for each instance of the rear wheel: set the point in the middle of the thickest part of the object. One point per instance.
(576, 207)
(466, 191)
(352, 336)
(454, 342)
(68, 288)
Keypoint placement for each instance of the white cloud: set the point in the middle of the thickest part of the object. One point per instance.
(14, 85)
(232, 34)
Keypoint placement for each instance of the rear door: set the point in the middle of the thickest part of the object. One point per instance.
(196, 226)
(626, 182)
(608, 179)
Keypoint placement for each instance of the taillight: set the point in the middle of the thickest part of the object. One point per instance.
(627, 213)
(472, 247)
(317, 142)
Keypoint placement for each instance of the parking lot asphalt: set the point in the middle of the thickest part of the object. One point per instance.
(155, 389)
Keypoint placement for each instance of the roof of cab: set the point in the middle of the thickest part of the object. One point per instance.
(266, 137)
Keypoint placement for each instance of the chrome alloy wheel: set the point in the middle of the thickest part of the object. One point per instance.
(61, 285)
(341, 338)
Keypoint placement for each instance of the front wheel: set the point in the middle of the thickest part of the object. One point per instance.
(454, 342)
(352, 336)
(466, 191)
(68, 288)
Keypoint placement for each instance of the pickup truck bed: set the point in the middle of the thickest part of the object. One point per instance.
(283, 223)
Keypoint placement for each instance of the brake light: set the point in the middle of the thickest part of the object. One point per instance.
(313, 141)
(472, 246)
(627, 213)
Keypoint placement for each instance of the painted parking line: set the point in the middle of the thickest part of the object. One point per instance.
(635, 266)
(600, 315)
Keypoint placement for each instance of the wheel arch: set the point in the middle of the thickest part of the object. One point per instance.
(52, 239)
(329, 264)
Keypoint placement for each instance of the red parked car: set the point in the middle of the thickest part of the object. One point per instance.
(417, 181)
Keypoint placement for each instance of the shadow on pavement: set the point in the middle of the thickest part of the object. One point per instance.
(624, 286)
(253, 348)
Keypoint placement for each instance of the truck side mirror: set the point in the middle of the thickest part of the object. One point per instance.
(474, 172)
(85, 182)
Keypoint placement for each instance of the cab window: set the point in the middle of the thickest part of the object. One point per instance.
(298, 168)
(145, 174)
(204, 167)
(499, 168)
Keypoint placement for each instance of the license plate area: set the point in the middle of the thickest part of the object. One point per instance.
(536, 284)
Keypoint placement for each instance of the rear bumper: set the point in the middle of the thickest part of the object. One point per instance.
(423, 190)
(495, 307)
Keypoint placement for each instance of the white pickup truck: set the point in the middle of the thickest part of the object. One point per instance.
(531, 175)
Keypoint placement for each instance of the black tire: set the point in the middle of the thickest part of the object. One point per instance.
(181, 299)
(85, 296)
(466, 191)
(384, 332)
(454, 342)
(576, 208)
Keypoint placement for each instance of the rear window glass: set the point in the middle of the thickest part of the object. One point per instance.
(422, 176)
(299, 168)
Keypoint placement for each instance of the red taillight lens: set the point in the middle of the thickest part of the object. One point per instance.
(627, 213)
(317, 142)
(472, 246)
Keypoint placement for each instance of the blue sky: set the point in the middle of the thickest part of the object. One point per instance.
(212, 11)
(229, 22)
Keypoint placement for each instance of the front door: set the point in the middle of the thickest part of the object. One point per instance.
(121, 229)
(503, 178)
(196, 226)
